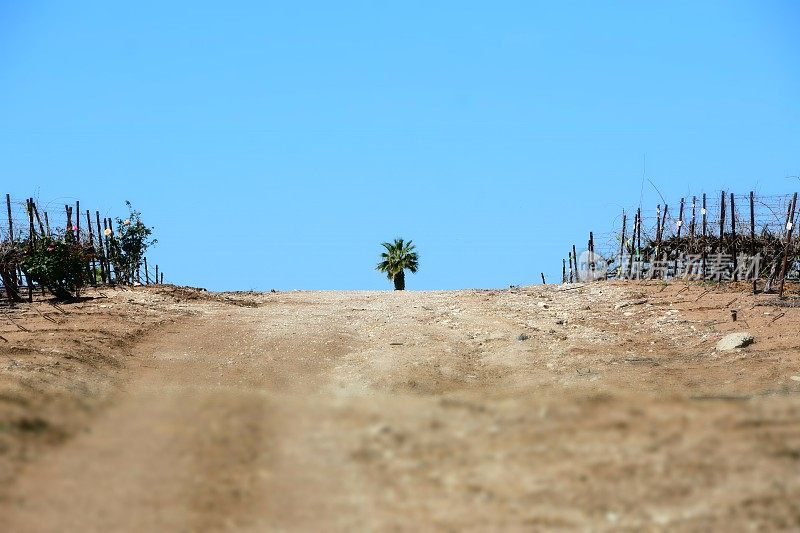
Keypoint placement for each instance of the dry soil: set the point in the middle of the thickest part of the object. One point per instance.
(582, 407)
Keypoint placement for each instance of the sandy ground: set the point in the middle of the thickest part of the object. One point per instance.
(597, 407)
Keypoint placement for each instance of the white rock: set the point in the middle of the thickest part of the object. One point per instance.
(732, 341)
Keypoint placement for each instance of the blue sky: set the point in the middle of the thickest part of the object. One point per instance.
(276, 144)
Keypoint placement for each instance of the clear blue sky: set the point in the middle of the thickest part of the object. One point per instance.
(275, 144)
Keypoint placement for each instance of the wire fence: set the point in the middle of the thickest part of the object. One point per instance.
(720, 237)
(27, 221)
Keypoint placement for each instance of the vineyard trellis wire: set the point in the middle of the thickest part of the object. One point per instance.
(25, 222)
(719, 237)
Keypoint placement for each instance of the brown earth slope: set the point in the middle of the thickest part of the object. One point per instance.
(601, 406)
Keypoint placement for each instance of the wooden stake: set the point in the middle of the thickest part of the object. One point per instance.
(753, 238)
(31, 227)
(659, 233)
(31, 240)
(658, 226)
(146, 274)
(639, 232)
(622, 243)
(705, 234)
(93, 265)
(788, 245)
(38, 219)
(68, 209)
(634, 250)
(680, 227)
(735, 276)
(10, 219)
(543, 281)
(112, 273)
(575, 258)
(105, 270)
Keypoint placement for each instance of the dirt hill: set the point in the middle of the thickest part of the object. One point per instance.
(602, 406)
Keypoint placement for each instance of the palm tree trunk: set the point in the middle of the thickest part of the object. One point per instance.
(400, 281)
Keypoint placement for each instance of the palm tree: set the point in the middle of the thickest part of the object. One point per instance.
(398, 257)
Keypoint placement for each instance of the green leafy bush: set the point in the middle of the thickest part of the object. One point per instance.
(129, 244)
(58, 263)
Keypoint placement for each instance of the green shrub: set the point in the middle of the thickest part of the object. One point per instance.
(129, 245)
(58, 263)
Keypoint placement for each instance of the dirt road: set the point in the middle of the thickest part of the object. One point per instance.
(534, 409)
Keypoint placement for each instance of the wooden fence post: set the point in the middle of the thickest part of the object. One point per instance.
(38, 219)
(105, 269)
(574, 258)
(109, 258)
(658, 226)
(68, 209)
(704, 212)
(31, 241)
(735, 275)
(563, 270)
(543, 281)
(156, 281)
(753, 239)
(622, 243)
(639, 234)
(788, 245)
(680, 227)
(659, 233)
(31, 227)
(633, 245)
(661, 238)
(10, 219)
(93, 263)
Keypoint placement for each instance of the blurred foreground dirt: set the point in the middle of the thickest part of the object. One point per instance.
(601, 406)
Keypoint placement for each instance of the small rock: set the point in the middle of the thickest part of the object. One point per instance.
(795, 378)
(732, 341)
(559, 322)
(543, 305)
(522, 337)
